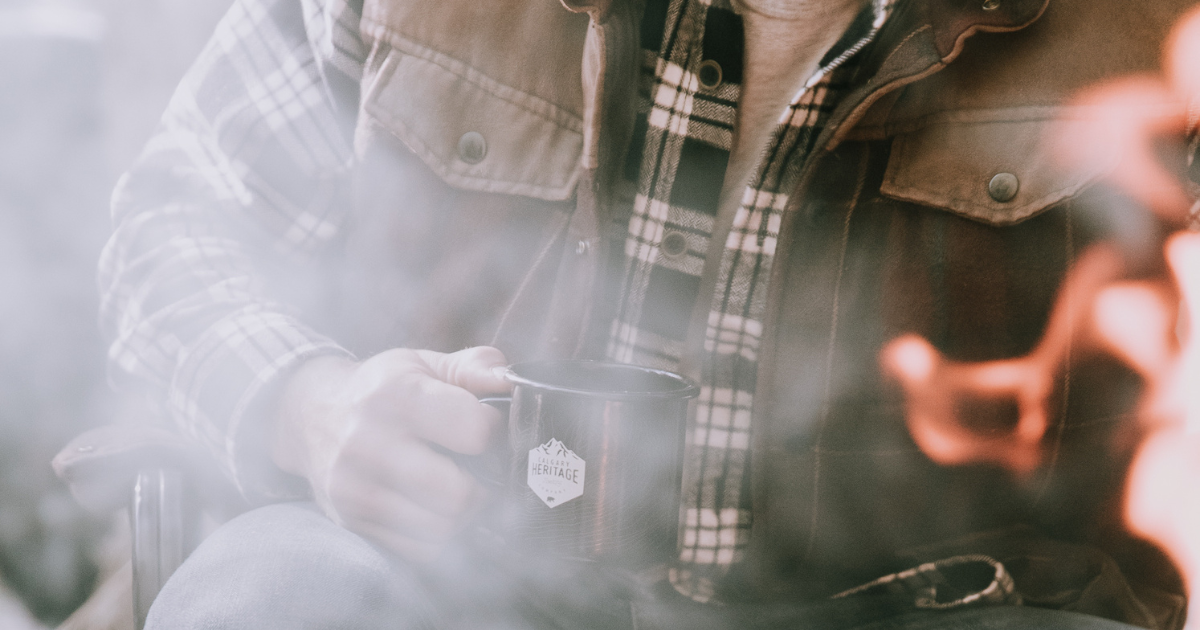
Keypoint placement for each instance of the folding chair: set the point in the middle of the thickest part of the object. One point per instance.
(166, 483)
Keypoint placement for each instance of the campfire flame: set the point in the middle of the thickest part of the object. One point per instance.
(1127, 116)
(1161, 498)
(1147, 325)
(937, 389)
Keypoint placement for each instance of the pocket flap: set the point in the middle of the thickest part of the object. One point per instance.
(990, 166)
(473, 131)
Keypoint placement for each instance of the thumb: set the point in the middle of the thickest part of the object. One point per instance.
(479, 370)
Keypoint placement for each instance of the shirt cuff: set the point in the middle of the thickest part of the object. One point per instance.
(224, 391)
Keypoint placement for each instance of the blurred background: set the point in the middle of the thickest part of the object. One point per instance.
(82, 84)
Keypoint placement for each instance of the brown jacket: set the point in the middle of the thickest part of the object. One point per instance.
(893, 230)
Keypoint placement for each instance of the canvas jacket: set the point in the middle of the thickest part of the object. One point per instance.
(893, 230)
(487, 138)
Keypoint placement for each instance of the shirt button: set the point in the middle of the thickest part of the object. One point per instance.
(709, 74)
(1004, 187)
(674, 244)
(472, 147)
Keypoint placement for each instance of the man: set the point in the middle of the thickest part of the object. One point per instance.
(759, 194)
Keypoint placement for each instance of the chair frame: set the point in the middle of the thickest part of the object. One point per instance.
(164, 518)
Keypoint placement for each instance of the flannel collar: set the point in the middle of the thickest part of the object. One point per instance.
(862, 31)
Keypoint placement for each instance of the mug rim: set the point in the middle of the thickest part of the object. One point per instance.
(686, 388)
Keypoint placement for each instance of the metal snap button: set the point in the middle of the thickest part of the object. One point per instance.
(991, 5)
(1004, 187)
(472, 148)
(710, 74)
(674, 244)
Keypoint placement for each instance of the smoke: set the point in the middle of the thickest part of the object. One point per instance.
(83, 84)
(74, 105)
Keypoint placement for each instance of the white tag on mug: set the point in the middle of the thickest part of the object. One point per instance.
(555, 473)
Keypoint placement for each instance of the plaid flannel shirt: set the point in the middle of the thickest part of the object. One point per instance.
(246, 174)
(677, 166)
(246, 179)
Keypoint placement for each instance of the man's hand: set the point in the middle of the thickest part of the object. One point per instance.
(367, 437)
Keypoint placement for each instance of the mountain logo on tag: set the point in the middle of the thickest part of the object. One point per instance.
(555, 473)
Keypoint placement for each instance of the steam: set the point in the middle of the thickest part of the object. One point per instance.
(83, 89)
(64, 134)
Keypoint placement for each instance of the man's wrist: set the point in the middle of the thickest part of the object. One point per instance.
(307, 398)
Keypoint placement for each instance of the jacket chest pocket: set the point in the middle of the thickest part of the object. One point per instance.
(993, 166)
(474, 132)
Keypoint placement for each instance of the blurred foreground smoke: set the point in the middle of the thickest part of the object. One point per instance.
(52, 221)
(76, 103)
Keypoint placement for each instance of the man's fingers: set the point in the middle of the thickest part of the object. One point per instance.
(389, 481)
(434, 396)
(414, 470)
(478, 370)
(434, 481)
(452, 418)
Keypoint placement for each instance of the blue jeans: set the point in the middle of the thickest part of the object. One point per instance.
(287, 566)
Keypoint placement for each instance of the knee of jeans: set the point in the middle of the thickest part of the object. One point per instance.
(286, 566)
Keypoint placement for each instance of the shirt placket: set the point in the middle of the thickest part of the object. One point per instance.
(726, 331)
(684, 143)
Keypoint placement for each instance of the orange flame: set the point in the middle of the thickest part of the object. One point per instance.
(1133, 321)
(937, 389)
(1126, 116)
(1161, 501)
(1137, 322)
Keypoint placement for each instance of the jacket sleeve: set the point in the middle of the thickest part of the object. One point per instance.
(220, 226)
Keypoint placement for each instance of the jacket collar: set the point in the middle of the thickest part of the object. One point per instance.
(920, 38)
(952, 21)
